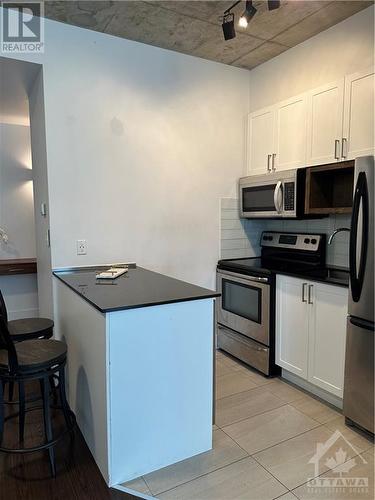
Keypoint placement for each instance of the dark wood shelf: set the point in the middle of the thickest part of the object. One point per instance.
(17, 266)
(329, 188)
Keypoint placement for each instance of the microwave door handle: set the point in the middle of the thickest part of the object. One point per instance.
(278, 204)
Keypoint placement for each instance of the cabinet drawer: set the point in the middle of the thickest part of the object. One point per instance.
(244, 349)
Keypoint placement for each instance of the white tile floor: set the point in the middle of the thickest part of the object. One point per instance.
(266, 439)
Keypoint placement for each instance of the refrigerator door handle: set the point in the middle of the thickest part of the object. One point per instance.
(362, 323)
(357, 276)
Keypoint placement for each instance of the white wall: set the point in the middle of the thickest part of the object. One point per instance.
(17, 217)
(343, 49)
(141, 145)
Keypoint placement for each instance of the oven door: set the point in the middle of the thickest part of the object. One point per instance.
(244, 305)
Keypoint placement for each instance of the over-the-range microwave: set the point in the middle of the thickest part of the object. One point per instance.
(274, 195)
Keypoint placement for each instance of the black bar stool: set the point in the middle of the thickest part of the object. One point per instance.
(25, 329)
(33, 360)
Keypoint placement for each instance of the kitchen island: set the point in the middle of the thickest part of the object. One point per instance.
(140, 367)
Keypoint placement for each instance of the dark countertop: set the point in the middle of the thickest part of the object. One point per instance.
(333, 275)
(137, 288)
(18, 266)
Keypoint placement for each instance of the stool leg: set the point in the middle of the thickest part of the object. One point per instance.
(53, 389)
(64, 402)
(21, 417)
(44, 385)
(11, 390)
(1, 410)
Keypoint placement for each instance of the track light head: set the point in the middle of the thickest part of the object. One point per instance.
(228, 26)
(247, 15)
(273, 4)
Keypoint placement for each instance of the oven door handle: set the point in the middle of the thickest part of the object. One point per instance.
(242, 277)
(278, 200)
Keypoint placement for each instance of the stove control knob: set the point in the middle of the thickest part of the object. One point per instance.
(307, 240)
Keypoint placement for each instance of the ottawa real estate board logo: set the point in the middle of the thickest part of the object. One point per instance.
(22, 27)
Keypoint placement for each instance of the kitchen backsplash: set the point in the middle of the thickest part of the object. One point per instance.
(241, 237)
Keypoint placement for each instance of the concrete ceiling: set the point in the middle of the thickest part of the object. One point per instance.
(194, 27)
(16, 79)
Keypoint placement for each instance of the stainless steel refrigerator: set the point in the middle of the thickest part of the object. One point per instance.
(359, 357)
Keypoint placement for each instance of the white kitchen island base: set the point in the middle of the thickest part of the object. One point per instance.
(140, 381)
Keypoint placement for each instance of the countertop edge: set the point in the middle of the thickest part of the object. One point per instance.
(138, 306)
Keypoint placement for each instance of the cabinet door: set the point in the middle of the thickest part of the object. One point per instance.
(324, 123)
(260, 141)
(291, 325)
(358, 130)
(290, 133)
(327, 334)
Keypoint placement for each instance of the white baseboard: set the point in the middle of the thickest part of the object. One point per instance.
(317, 391)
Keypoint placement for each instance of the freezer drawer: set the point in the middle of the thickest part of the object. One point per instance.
(359, 374)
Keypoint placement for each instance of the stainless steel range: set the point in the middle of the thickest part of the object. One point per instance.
(246, 309)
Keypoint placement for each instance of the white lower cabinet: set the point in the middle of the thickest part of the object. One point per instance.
(311, 331)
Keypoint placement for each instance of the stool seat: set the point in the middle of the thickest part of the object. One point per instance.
(30, 328)
(35, 355)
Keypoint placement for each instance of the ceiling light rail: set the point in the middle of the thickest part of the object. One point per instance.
(247, 15)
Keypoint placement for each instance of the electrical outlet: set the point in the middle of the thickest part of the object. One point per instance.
(81, 247)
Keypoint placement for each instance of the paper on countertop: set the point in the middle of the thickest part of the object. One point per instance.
(112, 273)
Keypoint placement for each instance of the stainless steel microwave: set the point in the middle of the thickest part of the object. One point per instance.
(274, 195)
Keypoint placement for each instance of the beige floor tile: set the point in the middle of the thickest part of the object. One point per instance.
(289, 461)
(358, 439)
(224, 452)
(222, 368)
(315, 409)
(244, 480)
(230, 362)
(245, 405)
(257, 377)
(137, 485)
(361, 467)
(233, 383)
(270, 428)
(285, 391)
(287, 496)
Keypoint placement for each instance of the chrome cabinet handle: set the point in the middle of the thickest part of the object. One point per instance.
(273, 162)
(344, 147)
(304, 285)
(337, 149)
(268, 163)
(309, 300)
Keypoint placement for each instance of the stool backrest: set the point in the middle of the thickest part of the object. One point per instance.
(3, 308)
(6, 343)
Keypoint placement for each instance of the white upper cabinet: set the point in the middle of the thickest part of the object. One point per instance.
(358, 130)
(327, 337)
(332, 123)
(260, 141)
(290, 133)
(324, 125)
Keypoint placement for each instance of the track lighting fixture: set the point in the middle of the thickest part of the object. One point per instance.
(228, 26)
(273, 4)
(249, 12)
